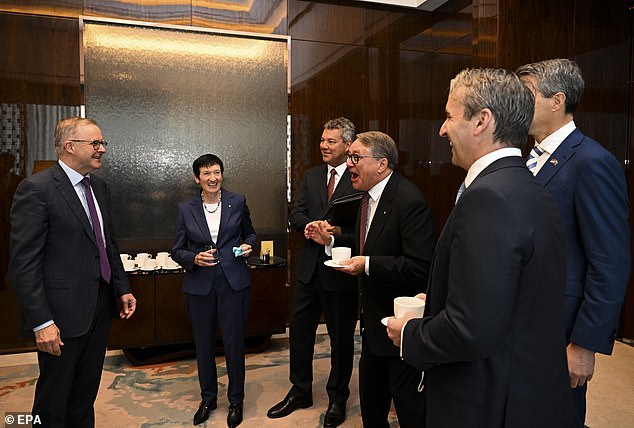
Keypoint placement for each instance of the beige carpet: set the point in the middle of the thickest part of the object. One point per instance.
(166, 395)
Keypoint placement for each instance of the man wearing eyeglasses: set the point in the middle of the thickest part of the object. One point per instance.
(394, 241)
(67, 274)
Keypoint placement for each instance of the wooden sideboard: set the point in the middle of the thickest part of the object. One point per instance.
(161, 318)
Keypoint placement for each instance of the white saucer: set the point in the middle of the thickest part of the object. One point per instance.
(332, 264)
(148, 269)
(170, 268)
(134, 269)
(384, 320)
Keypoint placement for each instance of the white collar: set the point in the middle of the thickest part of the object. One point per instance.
(486, 160)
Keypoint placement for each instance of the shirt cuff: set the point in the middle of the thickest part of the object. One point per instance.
(401, 347)
(328, 248)
(42, 326)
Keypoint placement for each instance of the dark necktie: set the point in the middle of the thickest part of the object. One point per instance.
(363, 223)
(331, 183)
(96, 227)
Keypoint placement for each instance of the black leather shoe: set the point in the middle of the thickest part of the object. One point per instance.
(234, 418)
(289, 404)
(205, 408)
(335, 415)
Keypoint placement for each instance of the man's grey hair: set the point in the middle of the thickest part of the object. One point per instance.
(65, 129)
(556, 75)
(380, 146)
(345, 126)
(502, 92)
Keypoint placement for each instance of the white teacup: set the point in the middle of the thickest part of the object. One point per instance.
(125, 257)
(142, 257)
(341, 253)
(161, 258)
(149, 264)
(128, 265)
(406, 304)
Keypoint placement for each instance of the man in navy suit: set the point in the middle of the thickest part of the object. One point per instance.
(588, 184)
(321, 289)
(490, 340)
(394, 242)
(67, 273)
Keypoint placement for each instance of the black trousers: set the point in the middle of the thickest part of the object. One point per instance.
(386, 378)
(340, 313)
(67, 387)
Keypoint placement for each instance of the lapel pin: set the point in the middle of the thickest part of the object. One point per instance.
(554, 162)
(229, 205)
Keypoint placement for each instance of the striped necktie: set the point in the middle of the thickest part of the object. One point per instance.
(533, 158)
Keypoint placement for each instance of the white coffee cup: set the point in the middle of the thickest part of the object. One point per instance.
(128, 265)
(142, 257)
(341, 253)
(125, 257)
(149, 264)
(161, 258)
(406, 304)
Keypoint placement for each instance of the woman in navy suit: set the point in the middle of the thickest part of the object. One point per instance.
(209, 227)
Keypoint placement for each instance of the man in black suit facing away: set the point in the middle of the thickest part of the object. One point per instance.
(491, 340)
(319, 288)
(67, 274)
(395, 241)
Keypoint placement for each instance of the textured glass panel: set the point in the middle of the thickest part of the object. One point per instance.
(165, 96)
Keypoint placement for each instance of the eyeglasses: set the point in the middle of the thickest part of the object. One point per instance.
(355, 158)
(95, 143)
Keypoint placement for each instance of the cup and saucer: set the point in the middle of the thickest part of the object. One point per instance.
(404, 305)
(338, 254)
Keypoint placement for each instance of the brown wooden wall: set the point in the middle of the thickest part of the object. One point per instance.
(385, 68)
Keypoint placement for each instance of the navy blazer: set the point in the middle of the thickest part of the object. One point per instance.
(54, 263)
(588, 185)
(192, 234)
(491, 340)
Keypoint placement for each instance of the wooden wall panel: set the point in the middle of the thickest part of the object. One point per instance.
(40, 60)
(67, 8)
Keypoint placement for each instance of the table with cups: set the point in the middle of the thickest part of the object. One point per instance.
(146, 262)
(161, 320)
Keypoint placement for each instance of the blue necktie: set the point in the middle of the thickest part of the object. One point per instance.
(104, 265)
(463, 187)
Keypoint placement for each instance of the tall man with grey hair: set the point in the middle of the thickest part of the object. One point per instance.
(394, 242)
(490, 340)
(320, 289)
(588, 185)
(67, 273)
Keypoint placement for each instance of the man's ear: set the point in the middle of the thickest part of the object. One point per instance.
(483, 120)
(558, 101)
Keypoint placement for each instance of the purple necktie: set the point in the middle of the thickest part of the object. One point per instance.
(96, 227)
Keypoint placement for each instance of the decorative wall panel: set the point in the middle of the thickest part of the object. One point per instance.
(164, 96)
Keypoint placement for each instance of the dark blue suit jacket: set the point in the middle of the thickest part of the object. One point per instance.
(192, 234)
(54, 256)
(588, 184)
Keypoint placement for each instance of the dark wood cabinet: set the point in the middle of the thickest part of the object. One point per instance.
(161, 318)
